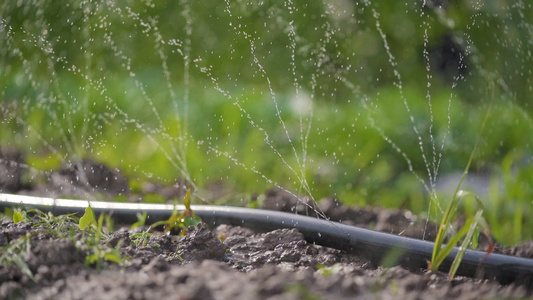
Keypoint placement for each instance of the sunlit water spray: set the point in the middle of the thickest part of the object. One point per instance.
(302, 97)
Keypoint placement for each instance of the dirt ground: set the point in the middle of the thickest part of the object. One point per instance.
(226, 262)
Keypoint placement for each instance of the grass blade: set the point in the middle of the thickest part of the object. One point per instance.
(439, 253)
(471, 229)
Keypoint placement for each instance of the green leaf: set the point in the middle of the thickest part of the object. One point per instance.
(141, 220)
(191, 221)
(187, 199)
(17, 217)
(473, 223)
(23, 266)
(87, 219)
(113, 257)
(90, 259)
(439, 254)
(452, 242)
(172, 222)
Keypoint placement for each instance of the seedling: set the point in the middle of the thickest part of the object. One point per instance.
(327, 271)
(17, 217)
(181, 221)
(98, 252)
(109, 223)
(175, 254)
(471, 223)
(87, 219)
(14, 254)
(141, 220)
(61, 226)
(141, 238)
(15, 214)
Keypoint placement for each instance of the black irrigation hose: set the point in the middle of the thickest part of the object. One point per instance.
(372, 244)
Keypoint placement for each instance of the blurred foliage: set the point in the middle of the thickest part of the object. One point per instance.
(173, 90)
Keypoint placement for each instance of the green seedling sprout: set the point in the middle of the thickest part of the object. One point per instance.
(88, 218)
(109, 223)
(327, 271)
(98, 252)
(141, 220)
(15, 214)
(17, 217)
(61, 226)
(181, 221)
(141, 238)
(188, 217)
(471, 223)
(14, 254)
(64, 226)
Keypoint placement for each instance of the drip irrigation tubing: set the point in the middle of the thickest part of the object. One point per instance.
(375, 245)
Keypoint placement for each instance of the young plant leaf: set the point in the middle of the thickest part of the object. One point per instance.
(440, 253)
(87, 219)
(114, 257)
(23, 266)
(181, 221)
(141, 220)
(190, 219)
(444, 252)
(17, 217)
(187, 200)
(473, 223)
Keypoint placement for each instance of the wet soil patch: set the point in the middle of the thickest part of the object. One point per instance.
(226, 262)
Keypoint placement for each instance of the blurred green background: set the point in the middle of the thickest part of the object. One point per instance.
(249, 96)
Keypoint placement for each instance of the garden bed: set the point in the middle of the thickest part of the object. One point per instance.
(212, 263)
